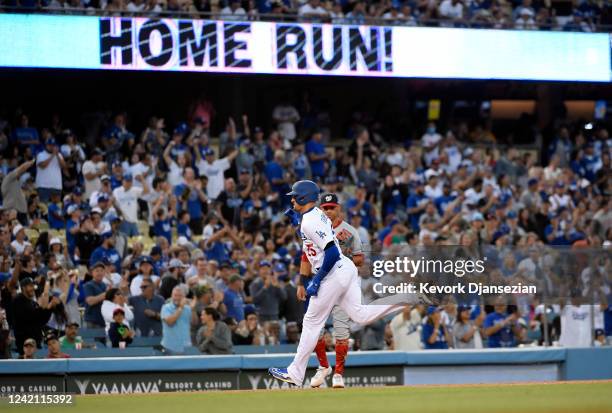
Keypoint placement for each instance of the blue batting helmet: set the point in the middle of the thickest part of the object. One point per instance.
(305, 192)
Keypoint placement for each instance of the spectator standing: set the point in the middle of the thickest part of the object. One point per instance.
(49, 165)
(501, 328)
(20, 243)
(24, 135)
(267, 295)
(29, 315)
(451, 10)
(431, 142)
(147, 310)
(106, 251)
(214, 337)
(114, 299)
(233, 11)
(466, 331)
(126, 197)
(176, 319)
(405, 327)
(191, 198)
(146, 273)
(95, 293)
(434, 333)
(312, 10)
(576, 322)
(285, 115)
(214, 169)
(87, 242)
(315, 150)
(234, 298)
(93, 169)
(12, 193)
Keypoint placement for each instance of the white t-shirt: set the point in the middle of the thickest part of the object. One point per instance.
(107, 313)
(137, 282)
(95, 184)
(19, 248)
(139, 169)
(447, 9)
(454, 157)
(576, 325)
(307, 9)
(128, 202)
(428, 140)
(316, 232)
(228, 14)
(133, 7)
(407, 333)
(175, 176)
(282, 112)
(51, 176)
(215, 174)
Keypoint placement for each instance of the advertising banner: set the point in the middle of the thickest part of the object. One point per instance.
(123, 43)
(354, 376)
(29, 383)
(151, 382)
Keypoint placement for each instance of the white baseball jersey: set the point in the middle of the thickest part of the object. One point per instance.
(316, 230)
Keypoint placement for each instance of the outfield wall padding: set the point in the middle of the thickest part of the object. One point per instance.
(365, 368)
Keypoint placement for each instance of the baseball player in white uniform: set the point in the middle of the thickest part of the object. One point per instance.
(335, 281)
(350, 245)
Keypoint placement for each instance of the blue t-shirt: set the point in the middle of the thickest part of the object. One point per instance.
(427, 331)
(218, 252)
(234, 304)
(194, 206)
(504, 337)
(365, 212)
(54, 217)
(70, 238)
(608, 319)
(394, 203)
(109, 254)
(176, 150)
(274, 171)
(163, 228)
(300, 165)
(93, 313)
(415, 200)
(442, 202)
(21, 135)
(115, 182)
(316, 148)
(176, 337)
(590, 165)
(184, 231)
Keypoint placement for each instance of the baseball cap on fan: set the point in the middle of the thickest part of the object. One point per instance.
(329, 200)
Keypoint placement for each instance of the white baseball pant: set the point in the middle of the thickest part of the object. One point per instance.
(342, 287)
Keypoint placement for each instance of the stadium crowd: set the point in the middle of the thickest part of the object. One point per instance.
(167, 232)
(584, 15)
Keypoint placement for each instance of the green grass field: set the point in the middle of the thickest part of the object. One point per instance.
(558, 398)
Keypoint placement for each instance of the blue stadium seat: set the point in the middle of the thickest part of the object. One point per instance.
(89, 333)
(146, 341)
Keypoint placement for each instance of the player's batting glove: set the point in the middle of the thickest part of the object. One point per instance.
(313, 287)
(293, 216)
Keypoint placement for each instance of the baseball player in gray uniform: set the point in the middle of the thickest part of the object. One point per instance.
(351, 247)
